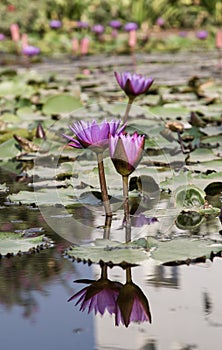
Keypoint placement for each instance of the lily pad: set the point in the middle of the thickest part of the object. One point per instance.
(12, 243)
(62, 103)
(109, 251)
(189, 196)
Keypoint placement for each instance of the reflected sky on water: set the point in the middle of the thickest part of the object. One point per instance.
(185, 303)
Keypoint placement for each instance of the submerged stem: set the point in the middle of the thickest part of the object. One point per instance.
(126, 208)
(103, 186)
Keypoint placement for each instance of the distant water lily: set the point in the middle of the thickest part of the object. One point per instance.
(2, 37)
(98, 28)
(202, 34)
(55, 24)
(130, 26)
(160, 22)
(96, 137)
(82, 24)
(133, 85)
(115, 24)
(30, 50)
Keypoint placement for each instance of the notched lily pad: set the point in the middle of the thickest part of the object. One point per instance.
(109, 251)
(12, 244)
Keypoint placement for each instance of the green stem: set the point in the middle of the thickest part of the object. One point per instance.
(103, 186)
(126, 208)
(128, 107)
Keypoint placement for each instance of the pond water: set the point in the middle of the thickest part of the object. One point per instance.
(57, 193)
(185, 304)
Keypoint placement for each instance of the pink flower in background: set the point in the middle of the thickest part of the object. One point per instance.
(133, 84)
(126, 151)
(15, 33)
(84, 46)
(2, 37)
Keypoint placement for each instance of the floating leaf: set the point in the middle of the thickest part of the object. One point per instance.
(62, 103)
(189, 196)
(109, 251)
(12, 243)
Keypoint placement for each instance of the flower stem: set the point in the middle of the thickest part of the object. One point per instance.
(128, 275)
(103, 186)
(128, 107)
(107, 227)
(104, 272)
(126, 208)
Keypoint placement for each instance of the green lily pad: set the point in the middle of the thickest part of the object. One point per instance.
(12, 243)
(62, 103)
(109, 251)
(189, 196)
(182, 249)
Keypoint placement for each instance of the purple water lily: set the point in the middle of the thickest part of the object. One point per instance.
(126, 152)
(30, 50)
(115, 24)
(130, 26)
(93, 135)
(98, 29)
(99, 296)
(83, 25)
(132, 305)
(55, 24)
(2, 37)
(202, 34)
(160, 21)
(133, 84)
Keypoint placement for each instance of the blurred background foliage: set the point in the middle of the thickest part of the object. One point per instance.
(34, 16)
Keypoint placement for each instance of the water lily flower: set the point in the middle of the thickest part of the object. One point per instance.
(126, 151)
(93, 135)
(132, 304)
(130, 26)
(96, 136)
(2, 37)
(115, 24)
(98, 28)
(133, 84)
(82, 25)
(202, 34)
(99, 296)
(55, 24)
(15, 32)
(160, 21)
(30, 50)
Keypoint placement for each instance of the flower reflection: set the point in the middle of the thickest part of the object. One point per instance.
(99, 296)
(132, 304)
(127, 302)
